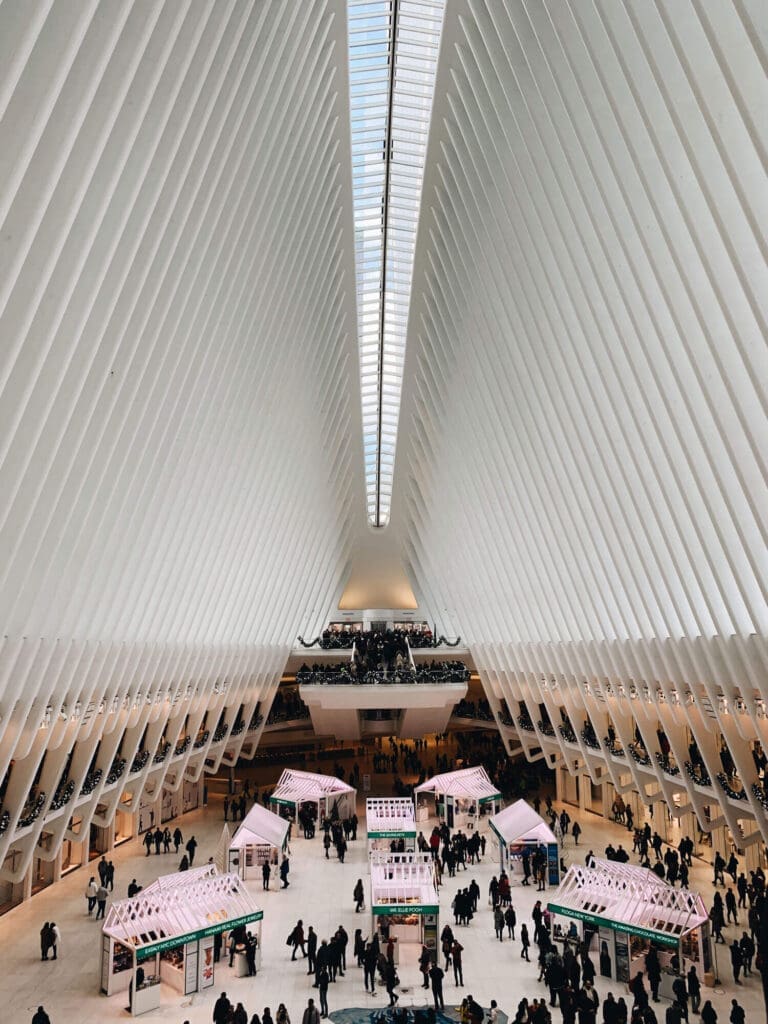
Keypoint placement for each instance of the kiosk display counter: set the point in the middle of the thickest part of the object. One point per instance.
(165, 935)
(295, 788)
(462, 797)
(390, 824)
(621, 912)
(404, 900)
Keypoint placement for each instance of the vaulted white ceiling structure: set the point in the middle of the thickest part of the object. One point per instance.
(579, 488)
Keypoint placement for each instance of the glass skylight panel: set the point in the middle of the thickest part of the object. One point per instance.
(393, 48)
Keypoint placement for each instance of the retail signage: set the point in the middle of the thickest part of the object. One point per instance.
(392, 834)
(283, 803)
(643, 933)
(488, 799)
(404, 908)
(180, 940)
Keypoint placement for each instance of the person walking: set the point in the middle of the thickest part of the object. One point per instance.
(190, 848)
(576, 831)
(498, 923)
(525, 941)
(391, 980)
(178, 838)
(708, 1013)
(90, 894)
(266, 871)
(40, 1016)
(285, 867)
(101, 901)
(297, 938)
(369, 967)
(436, 977)
(359, 896)
(510, 919)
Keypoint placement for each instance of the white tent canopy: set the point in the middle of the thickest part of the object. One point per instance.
(472, 783)
(628, 896)
(180, 905)
(260, 827)
(519, 822)
(296, 787)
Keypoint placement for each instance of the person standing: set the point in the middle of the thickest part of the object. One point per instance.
(498, 923)
(458, 973)
(390, 981)
(56, 939)
(41, 1017)
(576, 830)
(322, 983)
(510, 919)
(436, 977)
(736, 962)
(266, 871)
(694, 989)
(149, 839)
(226, 808)
(708, 1013)
(285, 867)
(45, 940)
(221, 1009)
(311, 1015)
(90, 894)
(311, 950)
(369, 967)
(425, 962)
(190, 848)
(178, 838)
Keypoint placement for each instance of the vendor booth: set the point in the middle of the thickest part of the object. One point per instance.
(320, 796)
(461, 797)
(261, 838)
(520, 830)
(404, 899)
(620, 912)
(167, 933)
(390, 820)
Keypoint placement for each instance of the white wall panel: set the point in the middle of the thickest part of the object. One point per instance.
(582, 468)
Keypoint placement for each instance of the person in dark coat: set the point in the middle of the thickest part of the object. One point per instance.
(221, 1009)
(436, 977)
(41, 1017)
(390, 981)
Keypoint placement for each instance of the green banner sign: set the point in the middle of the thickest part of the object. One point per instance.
(487, 799)
(393, 834)
(284, 803)
(644, 933)
(173, 942)
(404, 908)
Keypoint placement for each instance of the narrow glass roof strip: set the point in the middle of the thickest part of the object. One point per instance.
(393, 50)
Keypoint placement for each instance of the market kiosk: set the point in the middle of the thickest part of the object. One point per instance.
(295, 789)
(166, 934)
(388, 820)
(620, 911)
(404, 900)
(461, 797)
(518, 829)
(262, 837)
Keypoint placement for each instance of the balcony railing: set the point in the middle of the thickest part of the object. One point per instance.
(91, 781)
(698, 774)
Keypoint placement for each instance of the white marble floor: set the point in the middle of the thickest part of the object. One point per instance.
(321, 894)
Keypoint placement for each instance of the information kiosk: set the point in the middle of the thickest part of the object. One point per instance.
(390, 820)
(296, 789)
(519, 829)
(404, 898)
(461, 797)
(621, 911)
(166, 934)
(262, 837)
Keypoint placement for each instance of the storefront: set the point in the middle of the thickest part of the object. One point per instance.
(390, 824)
(262, 837)
(404, 899)
(461, 797)
(165, 935)
(330, 797)
(619, 912)
(520, 830)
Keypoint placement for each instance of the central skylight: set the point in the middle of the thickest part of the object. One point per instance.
(393, 48)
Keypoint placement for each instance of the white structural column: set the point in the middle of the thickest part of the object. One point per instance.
(582, 470)
(180, 456)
